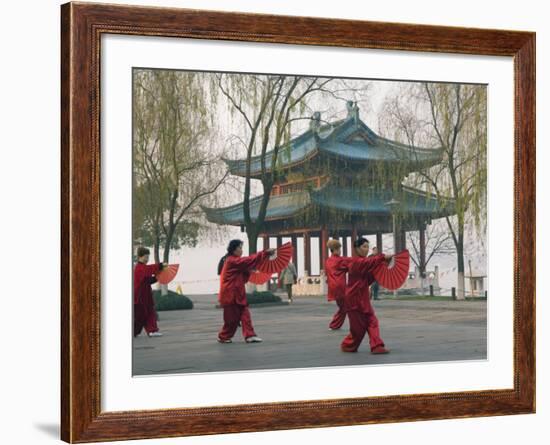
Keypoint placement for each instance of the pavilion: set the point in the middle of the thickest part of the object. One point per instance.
(340, 180)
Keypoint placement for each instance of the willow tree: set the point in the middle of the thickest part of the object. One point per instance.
(452, 117)
(267, 105)
(174, 166)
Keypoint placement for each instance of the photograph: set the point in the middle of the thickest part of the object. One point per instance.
(284, 221)
(278, 221)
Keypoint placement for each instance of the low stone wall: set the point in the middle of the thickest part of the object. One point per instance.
(310, 285)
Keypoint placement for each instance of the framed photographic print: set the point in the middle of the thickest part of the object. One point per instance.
(275, 222)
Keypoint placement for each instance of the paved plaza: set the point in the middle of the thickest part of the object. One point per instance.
(297, 336)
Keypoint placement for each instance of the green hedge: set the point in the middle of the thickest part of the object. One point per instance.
(171, 302)
(262, 297)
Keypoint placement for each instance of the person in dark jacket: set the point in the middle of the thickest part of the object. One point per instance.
(288, 278)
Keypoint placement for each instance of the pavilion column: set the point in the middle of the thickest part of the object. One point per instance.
(279, 241)
(323, 247)
(295, 250)
(265, 239)
(403, 240)
(353, 237)
(320, 252)
(396, 234)
(307, 253)
(345, 245)
(379, 242)
(422, 233)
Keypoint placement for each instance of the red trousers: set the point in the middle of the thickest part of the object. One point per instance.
(360, 323)
(232, 314)
(339, 316)
(145, 316)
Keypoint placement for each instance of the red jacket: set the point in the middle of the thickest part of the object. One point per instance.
(235, 273)
(357, 290)
(143, 278)
(336, 267)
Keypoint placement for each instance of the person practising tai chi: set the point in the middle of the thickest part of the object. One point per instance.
(336, 268)
(234, 271)
(145, 315)
(357, 304)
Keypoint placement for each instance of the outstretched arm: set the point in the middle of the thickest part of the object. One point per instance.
(251, 261)
(368, 264)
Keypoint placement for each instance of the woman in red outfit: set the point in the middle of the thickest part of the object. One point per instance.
(357, 304)
(336, 269)
(145, 315)
(235, 271)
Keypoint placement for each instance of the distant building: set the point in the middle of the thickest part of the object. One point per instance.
(475, 284)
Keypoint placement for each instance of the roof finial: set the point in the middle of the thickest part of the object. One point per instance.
(315, 122)
(353, 110)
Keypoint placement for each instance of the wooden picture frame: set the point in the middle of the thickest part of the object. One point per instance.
(82, 26)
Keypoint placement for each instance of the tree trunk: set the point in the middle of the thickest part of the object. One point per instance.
(252, 241)
(166, 253)
(252, 236)
(460, 266)
(166, 257)
(156, 250)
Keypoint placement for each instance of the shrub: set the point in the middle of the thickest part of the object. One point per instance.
(171, 302)
(262, 297)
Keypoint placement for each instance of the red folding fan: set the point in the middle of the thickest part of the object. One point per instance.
(278, 261)
(392, 275)
(168, 273)
(258, 277)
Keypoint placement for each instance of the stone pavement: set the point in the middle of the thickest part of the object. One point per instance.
(297, 336)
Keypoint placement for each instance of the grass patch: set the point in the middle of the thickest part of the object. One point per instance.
(171, 302)
(428, 298)
(421, 298)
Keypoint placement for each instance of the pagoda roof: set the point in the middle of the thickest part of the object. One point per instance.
(333, 198)
(279, 207)
(411, 201)
(349, 139)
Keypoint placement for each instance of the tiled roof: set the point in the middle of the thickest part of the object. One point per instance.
(346, 200)
(280, 206)
(350, 139)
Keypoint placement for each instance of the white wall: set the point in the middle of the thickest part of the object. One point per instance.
(29, 180)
